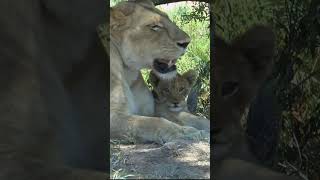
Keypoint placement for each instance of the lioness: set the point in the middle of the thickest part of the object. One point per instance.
(142, 37)
(239, 69)
(170, 96)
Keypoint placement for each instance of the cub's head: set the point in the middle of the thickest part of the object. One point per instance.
(146, 37)
(173, 92)
(239, 69)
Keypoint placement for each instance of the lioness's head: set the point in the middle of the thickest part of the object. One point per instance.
(239, 67)
(146, 37)
(173, 92)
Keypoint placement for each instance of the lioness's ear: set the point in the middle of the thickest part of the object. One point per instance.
(117, 19)
(153, 79)
(116, 14)
(119, 15)
(191, 76)
(124, 7)
(148, 3)
(257, 45)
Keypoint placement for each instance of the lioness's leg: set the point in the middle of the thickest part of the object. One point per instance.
(155, 129)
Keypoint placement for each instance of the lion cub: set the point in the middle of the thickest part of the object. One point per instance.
(170, 96)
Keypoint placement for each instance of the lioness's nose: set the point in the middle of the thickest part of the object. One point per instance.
(183, 44)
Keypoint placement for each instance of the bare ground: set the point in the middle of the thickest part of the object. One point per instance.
(183, 159)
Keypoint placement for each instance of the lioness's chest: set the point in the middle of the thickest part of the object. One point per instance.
(141, 99)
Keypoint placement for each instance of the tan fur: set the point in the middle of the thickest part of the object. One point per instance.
(134, 45)
(239, 69)
(171, 100)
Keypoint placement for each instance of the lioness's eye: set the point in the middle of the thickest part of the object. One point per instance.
(156, 27)
(229, 88)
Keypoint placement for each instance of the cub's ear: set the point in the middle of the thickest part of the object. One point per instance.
(153, 79)
(257, 45)
(191, 76)
(147, 3)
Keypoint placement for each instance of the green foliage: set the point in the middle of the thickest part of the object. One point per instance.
(114, 2)
(199, 12)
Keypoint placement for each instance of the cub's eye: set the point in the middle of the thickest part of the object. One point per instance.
(156, 27)
(229, 88)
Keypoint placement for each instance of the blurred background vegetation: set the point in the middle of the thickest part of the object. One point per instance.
(295, 82)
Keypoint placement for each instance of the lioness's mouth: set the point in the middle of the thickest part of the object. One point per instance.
(162, 65)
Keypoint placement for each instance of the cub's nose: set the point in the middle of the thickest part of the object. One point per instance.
(175, 104)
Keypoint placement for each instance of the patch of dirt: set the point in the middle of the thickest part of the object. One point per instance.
(174, 160)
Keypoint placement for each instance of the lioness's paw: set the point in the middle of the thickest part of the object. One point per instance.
(199, 135)
(177, 132)
(190, 133)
